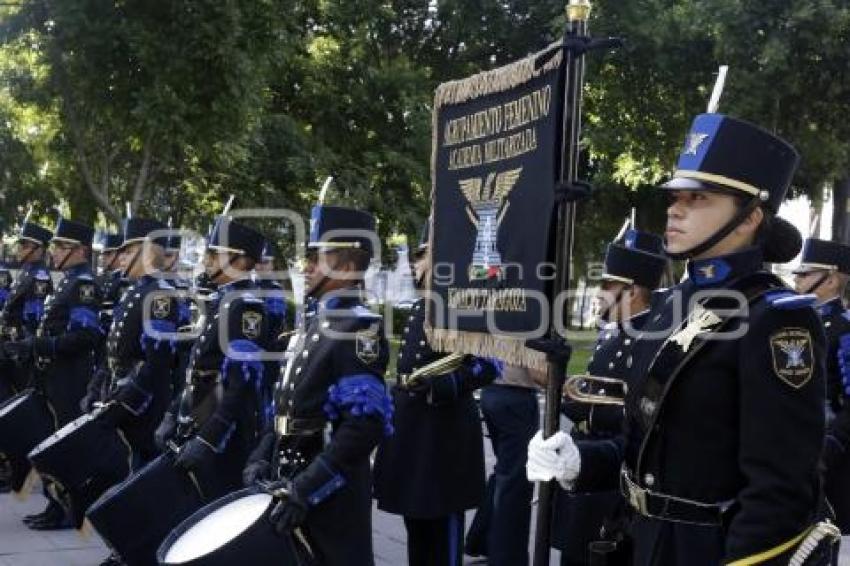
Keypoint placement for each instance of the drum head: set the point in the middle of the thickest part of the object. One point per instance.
(218, 527)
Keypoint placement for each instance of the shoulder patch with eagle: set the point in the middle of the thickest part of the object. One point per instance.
(793, 357)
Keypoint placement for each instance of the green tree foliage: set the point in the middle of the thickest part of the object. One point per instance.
(175, 105)
(142, 88)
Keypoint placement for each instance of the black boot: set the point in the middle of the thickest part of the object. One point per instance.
(55, 519)
(112, 560)
(35, 517)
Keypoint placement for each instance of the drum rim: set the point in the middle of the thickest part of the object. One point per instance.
(17, 396)
(43, 453)
(195, 518)
(85, 418)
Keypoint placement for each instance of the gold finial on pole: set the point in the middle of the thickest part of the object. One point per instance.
(578, 10)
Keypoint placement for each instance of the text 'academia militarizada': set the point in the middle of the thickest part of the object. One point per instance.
(514, 116)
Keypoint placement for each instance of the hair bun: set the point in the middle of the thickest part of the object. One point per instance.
(782, 242)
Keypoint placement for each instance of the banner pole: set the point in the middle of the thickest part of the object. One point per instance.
(578, 12)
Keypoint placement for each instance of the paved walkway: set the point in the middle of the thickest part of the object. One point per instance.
(20, 546)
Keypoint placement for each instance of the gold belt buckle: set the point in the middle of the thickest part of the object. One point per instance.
(637, 496)
(281, 425)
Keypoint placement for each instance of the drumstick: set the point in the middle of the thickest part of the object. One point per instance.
(299, 534)
(197, 484)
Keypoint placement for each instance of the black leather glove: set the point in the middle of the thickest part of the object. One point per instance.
(291, 509)
(418, 387)
(87, 402)
(165, 431)
(193, 454)
(256, 471)
(44, 346)
(112, 414)
(473, 374)
(19, 351)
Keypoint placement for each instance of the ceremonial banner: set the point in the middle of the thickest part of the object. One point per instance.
(495, 162)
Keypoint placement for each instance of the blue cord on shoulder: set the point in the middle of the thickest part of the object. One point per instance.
(789, 300)
(360, 395)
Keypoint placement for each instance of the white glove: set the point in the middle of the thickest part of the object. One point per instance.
(557, 458)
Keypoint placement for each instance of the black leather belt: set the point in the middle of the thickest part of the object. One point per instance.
(203, 375)
(669, 507)
(122, 370)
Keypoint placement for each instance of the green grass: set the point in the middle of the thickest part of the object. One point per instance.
(581, 356)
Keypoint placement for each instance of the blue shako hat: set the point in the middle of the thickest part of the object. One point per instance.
(636, 260)
(230, 236)
(135, 230)
(35, 233)
(824, 255)
(733, 156)
(334, 227)
(73, 232)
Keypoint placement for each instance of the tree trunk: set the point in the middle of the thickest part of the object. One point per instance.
(144, 174)
(841, 211)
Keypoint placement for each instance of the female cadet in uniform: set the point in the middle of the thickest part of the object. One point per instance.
(432, 469)
(824, 272)
(633, 270)
(725, 424)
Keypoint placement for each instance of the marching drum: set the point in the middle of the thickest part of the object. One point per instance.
(83, 459)
(135, 516)
(25, 420)
(234, 530)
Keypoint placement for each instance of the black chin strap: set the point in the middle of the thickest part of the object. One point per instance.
(617, 298)
(26, 257)
(221, 270)
(312, 292)
(714, 239)
(133, 263)
(821, 280)
(64, 260)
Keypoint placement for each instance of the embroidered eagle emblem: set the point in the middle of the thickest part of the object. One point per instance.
(693, 142)
(251, 324)
(794, 351)
(708, 271)
(161, 307)
(40, 288)
(86, 293)
(791, 349)
(367, 346)
(488, 203)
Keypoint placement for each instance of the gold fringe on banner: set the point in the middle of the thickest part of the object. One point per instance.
(510, 350)
(497, 80)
